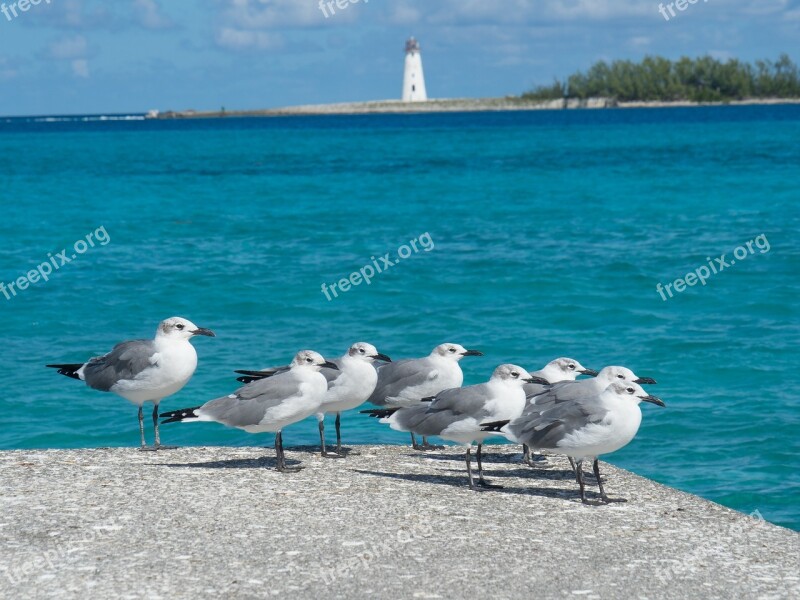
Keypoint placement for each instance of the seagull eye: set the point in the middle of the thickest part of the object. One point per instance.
(308, 360)
(620, 377)
(361, 350)
(179, 326)
(629, 390)
(514, 374)
(452, 350)
(570, 367)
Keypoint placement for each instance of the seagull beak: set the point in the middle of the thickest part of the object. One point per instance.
(589, 372)
(330, 365)
(203, 331)
(382, 357)
(653, 400)
(472, 353)
(535, 379)
(645, 380)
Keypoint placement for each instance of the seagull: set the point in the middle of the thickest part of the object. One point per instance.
(349, 386)
(268, 404)
(405, 383)
(144, 370)
(457, 414)
(560, 369)
(583, 427)
(539, 396)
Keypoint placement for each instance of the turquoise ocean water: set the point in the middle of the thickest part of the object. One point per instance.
(550, 232)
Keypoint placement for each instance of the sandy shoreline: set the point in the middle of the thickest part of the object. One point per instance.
(452, 105)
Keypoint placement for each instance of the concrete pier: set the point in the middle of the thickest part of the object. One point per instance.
(385, 523)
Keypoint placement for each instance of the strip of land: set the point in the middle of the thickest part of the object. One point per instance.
(385, 523)
(450, 105)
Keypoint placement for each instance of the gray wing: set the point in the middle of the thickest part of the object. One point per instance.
(545, 429)
(556, 393)
(126, 361)
(532, 389)
(394, 377)
(449, 406)
(248, 405)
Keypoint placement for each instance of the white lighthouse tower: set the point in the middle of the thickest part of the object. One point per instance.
(413, 79)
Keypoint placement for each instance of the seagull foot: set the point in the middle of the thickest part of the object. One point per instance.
(156, 448)
(430, 447)
(608, 500)
(588, 502)
(489, 486)
(289, 469)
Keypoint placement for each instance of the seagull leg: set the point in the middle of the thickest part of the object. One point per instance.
(338, 424)
(530, 459)
(278, 452)
(339, 436)
(157, 443)
(414, 443)
(325, 453)
(281, 466)
(472, 485)
(579, 472)
(575, 469)
(141, 429)
(579, 476)
(606, 499)
(428, 446)
(481, 481)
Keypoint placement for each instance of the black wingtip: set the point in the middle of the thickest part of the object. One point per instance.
(175, 416)
(251, 376)
(381, 413)
(494, 425)
(68, 370)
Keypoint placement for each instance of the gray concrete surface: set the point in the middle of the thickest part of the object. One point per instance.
(387, 523)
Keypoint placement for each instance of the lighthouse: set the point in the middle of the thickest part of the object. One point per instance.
(413, 79)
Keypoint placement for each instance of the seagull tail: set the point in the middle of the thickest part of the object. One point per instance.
(251, 376)
(494, 425)
(176, 416)
(381, 413)
(68, 370)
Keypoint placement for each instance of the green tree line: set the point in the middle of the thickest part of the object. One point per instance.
(703, 79)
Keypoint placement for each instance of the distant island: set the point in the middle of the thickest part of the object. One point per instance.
(653, 82)
(658, 79)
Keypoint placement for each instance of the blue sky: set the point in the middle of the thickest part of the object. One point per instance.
(91, 56)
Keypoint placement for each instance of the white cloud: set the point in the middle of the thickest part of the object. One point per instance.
(73, 50)
(68, 48)
(273, 14)
(7, 70)
(240, 40)
(80, 68)
(148, 14)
